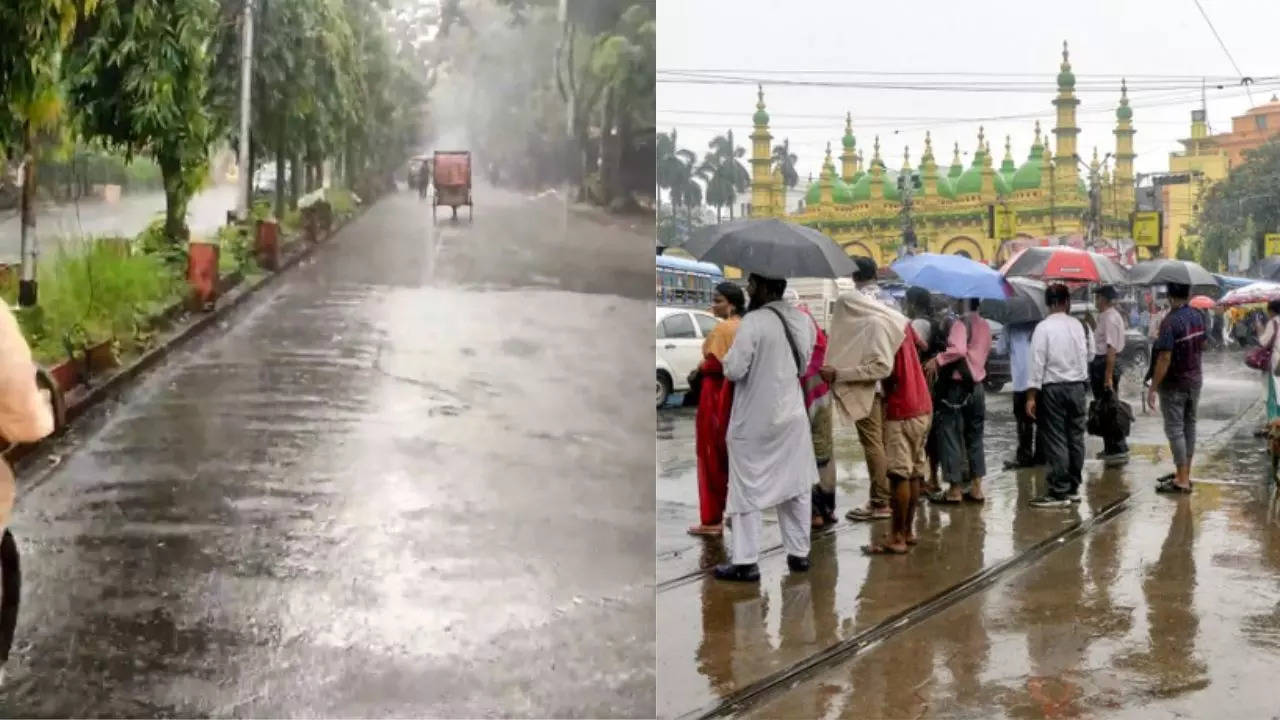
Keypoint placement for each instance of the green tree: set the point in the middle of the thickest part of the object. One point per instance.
(724, 173)
(138, 76)
(784, 161)
(1241, 208)
(33, 38)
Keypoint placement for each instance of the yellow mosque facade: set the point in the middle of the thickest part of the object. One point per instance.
(985, 211)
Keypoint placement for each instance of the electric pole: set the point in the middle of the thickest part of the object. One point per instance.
(246, 79)
(906, 187)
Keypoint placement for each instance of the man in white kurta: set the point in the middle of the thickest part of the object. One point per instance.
(771, 460)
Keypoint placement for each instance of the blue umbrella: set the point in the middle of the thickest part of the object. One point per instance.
(952, 275)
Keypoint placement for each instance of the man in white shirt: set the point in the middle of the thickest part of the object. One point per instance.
(1056, 397)
(771, 458)
(1104, 369)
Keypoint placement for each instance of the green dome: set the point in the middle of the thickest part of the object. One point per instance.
(1002, 185)
(841, 193)
(847, 141)
(1028, 176)
(970, 183)
(862, 188)
(1066, 80)
(761, 117)
(1124, 112)
(945, 188)
(954, 172)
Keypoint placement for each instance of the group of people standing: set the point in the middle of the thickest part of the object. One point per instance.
(772, 381)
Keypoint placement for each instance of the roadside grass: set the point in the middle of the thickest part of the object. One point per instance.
(94, 290)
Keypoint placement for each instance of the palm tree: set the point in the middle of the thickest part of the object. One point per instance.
(784, 161)
(724, 173)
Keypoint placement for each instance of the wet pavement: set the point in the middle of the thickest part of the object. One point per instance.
(409, 480)
(1061, 600)
(57, 224)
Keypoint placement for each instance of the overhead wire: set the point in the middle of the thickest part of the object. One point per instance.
(1246, 81)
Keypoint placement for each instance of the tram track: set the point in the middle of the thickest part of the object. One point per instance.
(789, 676)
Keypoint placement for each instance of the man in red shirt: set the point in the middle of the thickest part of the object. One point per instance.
(908, 411)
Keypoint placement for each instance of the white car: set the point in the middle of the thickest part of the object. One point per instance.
(679, 333)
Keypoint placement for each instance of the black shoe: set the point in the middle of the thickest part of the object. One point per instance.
(738, 573)
(796, 563)
(1074, 497)
(1049, 500)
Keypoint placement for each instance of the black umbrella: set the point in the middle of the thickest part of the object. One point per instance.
(772, 248)
(1025, 305)
(1163, 272)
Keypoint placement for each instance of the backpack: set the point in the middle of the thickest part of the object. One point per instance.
(938, 343)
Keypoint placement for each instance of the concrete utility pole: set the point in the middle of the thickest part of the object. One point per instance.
(246, 80)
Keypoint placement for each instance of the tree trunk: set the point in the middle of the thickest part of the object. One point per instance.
(27, 283)
(608, 141)
(280, 158)
(175, 197)
(295, 167)
(253, 159)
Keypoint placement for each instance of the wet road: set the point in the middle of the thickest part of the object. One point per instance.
(128, 217)
(1153, 583)
(410, 480)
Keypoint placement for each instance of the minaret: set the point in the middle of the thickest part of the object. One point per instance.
(848, 160)
(988, 172)
(1124, 191)
(825, 183)
(1008, 166)
(877, 173)
(957, 168)
(928, 169)
(761, 159)
(1046, 165)
(1066, 130)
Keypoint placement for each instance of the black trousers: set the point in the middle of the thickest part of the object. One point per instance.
(1060, 415)
(1111, 443)
(1030, 450)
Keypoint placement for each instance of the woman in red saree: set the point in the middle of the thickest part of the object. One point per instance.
(715, 400)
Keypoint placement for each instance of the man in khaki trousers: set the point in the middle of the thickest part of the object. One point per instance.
(871, 427)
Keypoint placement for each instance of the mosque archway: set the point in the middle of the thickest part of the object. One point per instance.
(964, 246)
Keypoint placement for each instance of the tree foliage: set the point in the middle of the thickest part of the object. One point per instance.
(138, 77)
(1241, 208)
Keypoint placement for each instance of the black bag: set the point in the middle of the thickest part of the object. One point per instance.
(1109, 416)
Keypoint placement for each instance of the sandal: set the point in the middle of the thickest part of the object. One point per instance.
(706, 531)
(941, 498)
(881, 549)
(1167, 486)
(969, 498)
(863, 513)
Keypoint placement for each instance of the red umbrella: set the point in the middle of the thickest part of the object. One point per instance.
(1202, 302)
(1065, 263)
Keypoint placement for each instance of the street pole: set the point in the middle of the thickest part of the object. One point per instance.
(246, 79)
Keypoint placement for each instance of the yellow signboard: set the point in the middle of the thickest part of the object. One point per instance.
(1273, 244)
(1146, 229)
(1002, 222)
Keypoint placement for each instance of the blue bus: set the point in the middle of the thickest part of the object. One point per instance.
(681, 282)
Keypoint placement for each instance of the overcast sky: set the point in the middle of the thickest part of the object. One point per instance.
(769, 40)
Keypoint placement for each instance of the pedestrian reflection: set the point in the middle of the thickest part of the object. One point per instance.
(1169, 588)
(735, 642)
(1049, 610)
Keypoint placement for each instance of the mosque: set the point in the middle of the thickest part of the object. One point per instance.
(985, 211)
